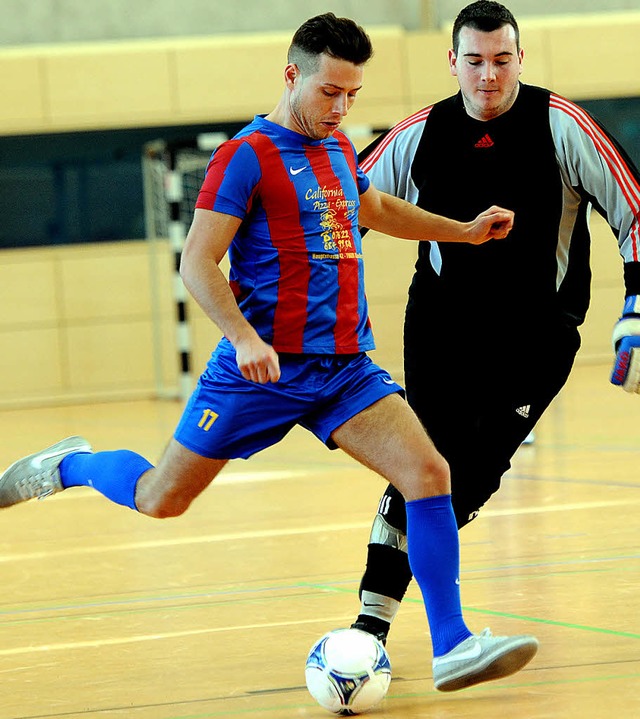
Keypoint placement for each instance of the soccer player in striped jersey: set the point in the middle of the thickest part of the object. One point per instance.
(491, 332)
(285, 199)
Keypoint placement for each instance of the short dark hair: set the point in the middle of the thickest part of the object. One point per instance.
(338, 37)
(486, 16)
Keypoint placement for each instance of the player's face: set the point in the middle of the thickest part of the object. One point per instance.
(488, 65)
(320, 101)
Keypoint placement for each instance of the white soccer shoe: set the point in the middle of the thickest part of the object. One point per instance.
(481, 658)
(38, 475)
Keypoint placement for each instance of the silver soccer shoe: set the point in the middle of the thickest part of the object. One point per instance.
(481, 658)
(38, 475)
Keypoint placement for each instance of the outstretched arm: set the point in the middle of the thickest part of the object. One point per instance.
(398, 218)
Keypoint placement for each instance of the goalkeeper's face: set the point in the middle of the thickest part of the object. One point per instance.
(487, 66)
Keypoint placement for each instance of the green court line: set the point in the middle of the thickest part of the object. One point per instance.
(248, 600)
(509, 615)
(550, 622)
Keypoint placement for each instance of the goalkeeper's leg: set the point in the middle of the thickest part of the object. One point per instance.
(387, 574)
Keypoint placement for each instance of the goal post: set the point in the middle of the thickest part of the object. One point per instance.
(172, 174)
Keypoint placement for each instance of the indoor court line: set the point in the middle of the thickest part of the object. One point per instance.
(552, 508)
(520, 477)
(329, 621)
(335, 621)
(111, 641)
(270, 533)
(504, 615)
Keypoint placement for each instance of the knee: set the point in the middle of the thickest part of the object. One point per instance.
(437, 474)
(160, 506)
(431, 478)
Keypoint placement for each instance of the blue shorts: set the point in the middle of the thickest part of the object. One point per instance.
(229, 417)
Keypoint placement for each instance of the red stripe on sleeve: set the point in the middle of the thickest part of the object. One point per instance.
(212, 181)
(371, 159)
(628, 184)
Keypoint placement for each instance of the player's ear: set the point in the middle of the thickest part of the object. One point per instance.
(452, 63)
(291, 72)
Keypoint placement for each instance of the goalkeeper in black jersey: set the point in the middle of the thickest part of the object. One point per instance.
(491, 332)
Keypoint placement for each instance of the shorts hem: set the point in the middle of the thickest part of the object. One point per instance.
(355, 409)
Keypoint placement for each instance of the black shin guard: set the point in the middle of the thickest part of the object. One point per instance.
(387, 573)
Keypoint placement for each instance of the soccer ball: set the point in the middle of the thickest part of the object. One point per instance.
(348, 671)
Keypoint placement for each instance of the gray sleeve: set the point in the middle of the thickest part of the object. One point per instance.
(388, 166)
(591, 164)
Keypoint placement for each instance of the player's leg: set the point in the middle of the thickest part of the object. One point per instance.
(122, 476)
(387, 572)
(388, 438)
(180, 477)
(203, 441)
(477, 433)
(126, 478)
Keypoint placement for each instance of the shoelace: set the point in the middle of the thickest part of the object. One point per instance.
(37, 485)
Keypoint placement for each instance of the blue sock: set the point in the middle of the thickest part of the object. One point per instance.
(434, 556)
(114, 474)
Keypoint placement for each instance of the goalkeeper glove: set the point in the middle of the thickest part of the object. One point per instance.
(626, 344)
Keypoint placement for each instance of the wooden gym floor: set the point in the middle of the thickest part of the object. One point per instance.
(105, 613)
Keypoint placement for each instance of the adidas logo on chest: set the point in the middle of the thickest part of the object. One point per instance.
(484, 142)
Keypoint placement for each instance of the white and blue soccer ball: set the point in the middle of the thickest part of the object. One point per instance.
(348, 671)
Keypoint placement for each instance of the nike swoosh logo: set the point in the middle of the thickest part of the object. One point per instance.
(388, 381)
(472, 653)
(297, 171)
(372, 604)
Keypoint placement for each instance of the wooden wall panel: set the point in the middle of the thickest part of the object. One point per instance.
(103, 282)
(28, 289)
(383, 99)
(21, 88)
(116, 84)
(427, 67)
(30, 363)
(98, 339)
(597, 56)
(109, 355)
(607, 294)
(535, 66)
(230, 78)
(79, 322)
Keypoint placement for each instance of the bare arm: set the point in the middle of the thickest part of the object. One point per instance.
(398, 218)
(208, 240)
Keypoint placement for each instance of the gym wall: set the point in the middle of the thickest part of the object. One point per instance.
(77, 323)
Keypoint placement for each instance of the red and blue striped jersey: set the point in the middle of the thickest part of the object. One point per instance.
(296, 261)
